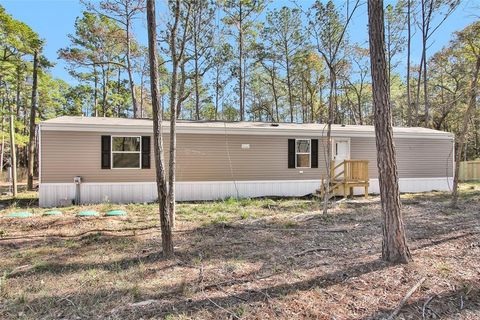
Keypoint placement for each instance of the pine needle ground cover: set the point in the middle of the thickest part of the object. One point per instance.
(248, 259)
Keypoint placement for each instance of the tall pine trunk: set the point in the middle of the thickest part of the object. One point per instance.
(95, 92)
(409, 40)
(33, 114)
(129, 67)
(425, 26)
(217, 90)
(2, 146)
(240, 60)
(13, 152)
(394, 247)
(417, 94)
(197, 71)
(289, 83)
(163, 203)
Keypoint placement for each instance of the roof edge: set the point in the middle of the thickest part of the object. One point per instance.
(285, 131)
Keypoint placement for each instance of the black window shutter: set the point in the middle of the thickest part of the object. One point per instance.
(291, 153)
(106, 148)
(314, 153)
(146, 152)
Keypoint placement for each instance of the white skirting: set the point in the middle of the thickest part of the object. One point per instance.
(414, 185)
(56, 194)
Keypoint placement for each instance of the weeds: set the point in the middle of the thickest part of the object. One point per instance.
(41, 266)
(136, 292)
(290, 224)
(444, 268)
(221, 218)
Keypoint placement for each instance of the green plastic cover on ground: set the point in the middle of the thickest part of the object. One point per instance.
(52, 213)
(116, 213)
(88, 213)
(20, 215)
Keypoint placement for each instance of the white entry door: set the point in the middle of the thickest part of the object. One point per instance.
(340, 152)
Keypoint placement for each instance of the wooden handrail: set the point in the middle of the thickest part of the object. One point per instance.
(351, 174)
(353, 170)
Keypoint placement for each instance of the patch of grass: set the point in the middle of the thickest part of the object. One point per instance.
(121, 243)
(207, 208)
(230, 201)
(108, 206)
(142, 209)
(444, 268)
(91, 238)
(91, 277)
(230, 267)
(239, 311)
(295, 205)
(136, 292)
(290, 224)
(70, 243)
(25, 254)
(326, 218)
(246, 215)
(185, 212)
(22, 297)
(40, 266)
(221, 218)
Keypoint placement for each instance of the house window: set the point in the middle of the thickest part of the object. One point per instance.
(126, 152)
(302, 153)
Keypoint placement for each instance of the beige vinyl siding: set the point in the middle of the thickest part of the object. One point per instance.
(416, 157)
(66, 154)
(205, 157)
(200, 157)
(365, 149)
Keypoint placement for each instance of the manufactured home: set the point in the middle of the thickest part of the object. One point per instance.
(97, 160)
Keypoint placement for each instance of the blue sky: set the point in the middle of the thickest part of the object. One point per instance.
(54, 20)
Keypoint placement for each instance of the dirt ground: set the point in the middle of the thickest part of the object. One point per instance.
(248, 259)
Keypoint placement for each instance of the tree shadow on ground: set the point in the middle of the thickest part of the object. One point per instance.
(20, 203)
(270, 243)
(451, 304)
(179, 304)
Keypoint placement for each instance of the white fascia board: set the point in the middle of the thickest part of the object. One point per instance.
(236, 131)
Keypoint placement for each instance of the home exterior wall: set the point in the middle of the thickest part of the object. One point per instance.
(416, 157)
(214, 166)
(200, 157)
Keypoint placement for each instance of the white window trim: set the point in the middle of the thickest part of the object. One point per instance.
(112, 152)
(309, 154)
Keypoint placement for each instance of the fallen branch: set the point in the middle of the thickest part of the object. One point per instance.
(289, 229)
(80, 234)
(310, 251)
(424, 308)
(405, 298)
(116, 232)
